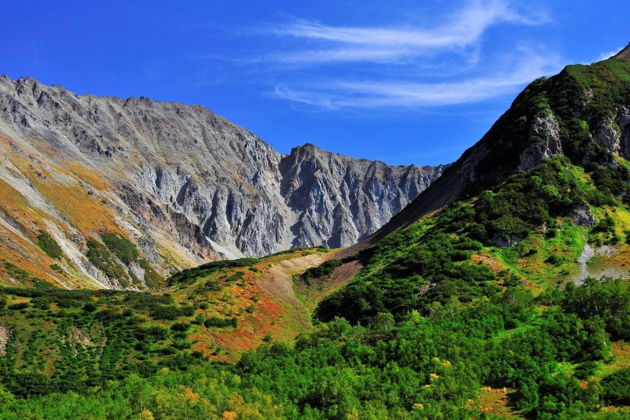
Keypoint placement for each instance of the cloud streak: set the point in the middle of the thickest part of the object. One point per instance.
(459, 31)
(382, 94)
(409, 66)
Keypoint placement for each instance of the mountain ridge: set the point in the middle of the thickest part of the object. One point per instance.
(526, 143)
(179, 182)
(624, 54)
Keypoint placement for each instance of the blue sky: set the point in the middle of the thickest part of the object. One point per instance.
(400, 81)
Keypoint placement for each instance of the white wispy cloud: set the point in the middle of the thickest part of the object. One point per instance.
(458, 31)
(437, 61)
(387, 93)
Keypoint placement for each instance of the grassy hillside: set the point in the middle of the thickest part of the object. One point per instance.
(521, 231)
(439, 323)
(52, 339)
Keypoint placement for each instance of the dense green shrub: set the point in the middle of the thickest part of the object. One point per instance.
(152, 333)
(607, 300)
(323, 270)
(121, 247)
(180, 326)
(220, 322)
(191, 274)
(166, 312)
(616, 388)
(49, 245)
(212, 286)
(89, 307)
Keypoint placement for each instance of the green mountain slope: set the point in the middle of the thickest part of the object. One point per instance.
(519, 232)
(581, 113)
(475, 302)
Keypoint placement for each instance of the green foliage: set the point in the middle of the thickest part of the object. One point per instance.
(49, 245)
(121, 247)
(151, 277)
(526, 201)
(94, 337)
(613, 180)
(217, 322)
(189, 275)
(104, 260)
(212, 286)
(616, 388)
(56, 268)
(555, 260)
(411, 269)
(323, 270)
(18, 306)
(235, 276)
(170, 312)
(180, 326)
(399, 270)
(603, 232)
(439, 358)
(417, 333)
(607, 301)
(106, 257)
(128, 253)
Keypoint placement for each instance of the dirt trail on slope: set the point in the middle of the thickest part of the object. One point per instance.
(277, 280)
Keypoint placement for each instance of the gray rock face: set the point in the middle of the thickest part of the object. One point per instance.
(339, 199)
(582, 216)
(187, 185)
(622, 137)
(546, 134)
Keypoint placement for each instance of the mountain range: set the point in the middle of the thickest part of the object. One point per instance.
(500, 292)
(178, 184)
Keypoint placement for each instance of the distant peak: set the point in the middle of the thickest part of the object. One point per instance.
(624, 54)
(306, 147)
(27, 80)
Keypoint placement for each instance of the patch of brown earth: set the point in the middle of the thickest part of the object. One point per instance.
(277, 280)
(488, 261)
